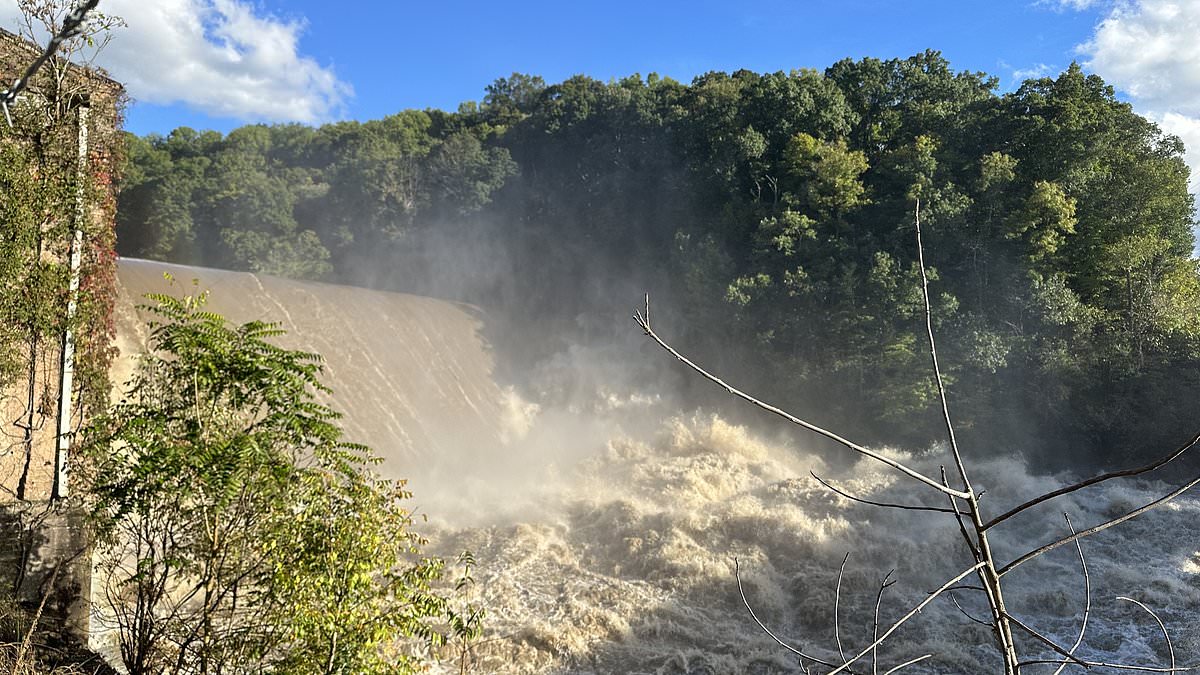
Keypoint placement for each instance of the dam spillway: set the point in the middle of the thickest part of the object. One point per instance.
(412, 375)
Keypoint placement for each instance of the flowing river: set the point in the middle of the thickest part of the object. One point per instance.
(606, 521)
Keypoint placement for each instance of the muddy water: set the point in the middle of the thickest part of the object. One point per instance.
(606, 527)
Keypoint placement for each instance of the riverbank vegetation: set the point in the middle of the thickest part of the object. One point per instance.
(774, 209)
(235, 531)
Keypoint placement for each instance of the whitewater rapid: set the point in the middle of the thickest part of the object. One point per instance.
(606, 526)
(629, 566)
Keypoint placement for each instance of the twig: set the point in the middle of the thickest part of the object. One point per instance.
(1102, 526)
(737, 573)
(1117, 666)
(907, 664)
(913, 612)
(966, 613)
(1045, 640)
(886, 505)
(875, 626)
(645, 326)
(1087, 592)
(1161, 626)
(837, 601)
(1161, 462)
(72, 27)
(33, 624)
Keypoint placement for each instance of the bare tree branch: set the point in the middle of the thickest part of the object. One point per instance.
(1161, 626)
(1087, 591)
(907, 664)
(937, 369)
(965, 612)
(974, 536)
(737, 573)
(885, 505)
(1102, 526)
(1045, 640)
(913, 612)
(962, 524)
(875, 623)
(645, 326)
(1159, 463)
(837, 601)
(1116, 666)
(979, 545)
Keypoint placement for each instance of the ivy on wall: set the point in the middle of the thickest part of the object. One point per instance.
(39, 189)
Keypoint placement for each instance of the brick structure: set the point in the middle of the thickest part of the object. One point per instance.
(43, 546)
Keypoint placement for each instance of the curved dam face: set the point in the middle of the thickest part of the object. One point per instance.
(412, 375)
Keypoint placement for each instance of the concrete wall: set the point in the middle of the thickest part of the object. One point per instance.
(45, 556)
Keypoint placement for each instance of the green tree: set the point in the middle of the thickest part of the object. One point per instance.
(1059, 223)
(237, 531)
(511, 99)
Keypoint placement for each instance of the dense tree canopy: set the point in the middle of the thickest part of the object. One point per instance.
(775, 211)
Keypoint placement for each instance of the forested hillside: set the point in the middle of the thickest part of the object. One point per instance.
(773, 214)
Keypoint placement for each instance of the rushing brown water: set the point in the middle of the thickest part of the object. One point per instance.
(606, 525)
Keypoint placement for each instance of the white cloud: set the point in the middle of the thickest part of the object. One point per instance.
(1150, 49)
(1035, 71)
(220, 57)
(1078, 5)
(1188, 129)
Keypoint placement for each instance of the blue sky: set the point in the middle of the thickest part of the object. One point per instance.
(395, 55)
(218, 64)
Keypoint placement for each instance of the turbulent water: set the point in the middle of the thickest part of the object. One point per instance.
(606, 523)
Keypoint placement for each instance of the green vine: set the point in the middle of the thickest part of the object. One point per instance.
(39, 187)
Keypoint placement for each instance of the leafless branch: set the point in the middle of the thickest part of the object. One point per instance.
(962, 524)
(875, 624)
(36, 619)
(1161, 626)
(1115, 666)
(913, 612)
(72, 26)
(837, 601)
(737, 573)
(965, 612)
(907, 664)
(644, 324)
(1087, 592)
(975, 535)
(1102, 526)
(1045, 640)
(937, 370)
(906, 507)
(979, 545)
(1159, 463)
